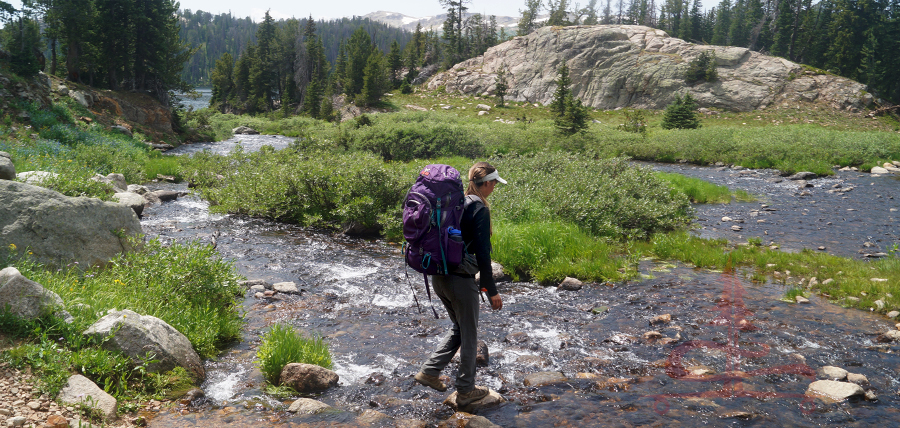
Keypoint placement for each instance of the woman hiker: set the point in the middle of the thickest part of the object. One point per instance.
(459, 293)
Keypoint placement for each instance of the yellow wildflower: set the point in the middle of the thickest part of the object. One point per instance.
(12, 247)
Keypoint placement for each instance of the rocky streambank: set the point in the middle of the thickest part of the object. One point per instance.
(618, 66)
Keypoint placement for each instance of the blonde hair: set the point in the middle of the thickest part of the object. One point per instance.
(476, 172)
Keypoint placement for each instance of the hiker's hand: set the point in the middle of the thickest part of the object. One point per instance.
(496, 302)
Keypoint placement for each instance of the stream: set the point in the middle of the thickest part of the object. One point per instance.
(733, 354)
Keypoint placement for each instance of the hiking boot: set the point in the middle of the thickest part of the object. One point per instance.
(432, 382)
(465, 398)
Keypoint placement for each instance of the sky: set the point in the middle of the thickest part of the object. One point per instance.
(331, 9)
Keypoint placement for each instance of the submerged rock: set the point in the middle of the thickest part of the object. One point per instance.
(544, 378)
(831, 390)
(308, 377)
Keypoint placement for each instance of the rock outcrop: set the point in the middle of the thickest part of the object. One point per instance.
(614, 66)
(81, 391)
(7, 169)
(28, 299)
(137, 335)
(59, 230)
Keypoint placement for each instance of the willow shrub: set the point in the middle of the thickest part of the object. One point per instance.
(605, 197)
(405, 141)
(320, 188)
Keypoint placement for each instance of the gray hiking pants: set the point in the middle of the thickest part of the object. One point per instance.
(460, 297)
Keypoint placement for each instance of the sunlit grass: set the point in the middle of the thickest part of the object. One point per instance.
(703, 192)
(283, 345)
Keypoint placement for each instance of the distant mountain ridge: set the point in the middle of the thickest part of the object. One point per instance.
(436, 22)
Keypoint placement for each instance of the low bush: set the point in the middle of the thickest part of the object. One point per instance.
(310, 188)
(282, 345)
(606, 197)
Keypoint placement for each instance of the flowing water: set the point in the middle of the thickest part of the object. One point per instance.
(732, 354)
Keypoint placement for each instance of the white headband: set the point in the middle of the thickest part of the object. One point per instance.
(492, 176)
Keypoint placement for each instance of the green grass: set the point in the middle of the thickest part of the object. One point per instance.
(703, 192)
(189, 286)
(282, 345)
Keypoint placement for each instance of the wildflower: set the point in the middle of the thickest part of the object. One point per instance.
(12, 247)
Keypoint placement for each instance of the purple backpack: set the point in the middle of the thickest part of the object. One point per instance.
(431, 214)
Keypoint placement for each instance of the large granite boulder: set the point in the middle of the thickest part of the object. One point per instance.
(135, 335)
(7, 169)
(82, 391)
(35, 178)
(28, 299)
(59, 230)
(614, 66)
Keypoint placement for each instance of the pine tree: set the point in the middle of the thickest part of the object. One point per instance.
(738, 32)
(501, 86)
(528, 22)
(375, 81)
(723, 23)
(23, 39)
(222, 83)
(570, 116)
(681, 114)
(395, 63)
(358, 49)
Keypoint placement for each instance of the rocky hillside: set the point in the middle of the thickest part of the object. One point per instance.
(130, 110)
(614, 66)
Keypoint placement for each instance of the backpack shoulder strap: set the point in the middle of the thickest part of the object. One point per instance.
(473, 200)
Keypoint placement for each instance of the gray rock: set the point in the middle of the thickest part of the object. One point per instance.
(16, 421)
(122, 129)
(482, 354)
(805, 175)
(35, 178)
(483, 107)
(163, 195)
(857, 378)
(28, 299)
(613, 66)
(79, 390)
(81, 98)
(7, 169)
(59, 229)
(308, 406)
(544, 378)
(131, 200)
(661, 319)
(889, 336)
(893, 314)
(570, 284)
(245, 130)
(831, 390)
(135, 335)
(491, 400)
(308, 377)
(116, 181)
(137, 188)
(879, 170)
(801, 300)
(496, 272)
(832, 373)
(286, 288)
